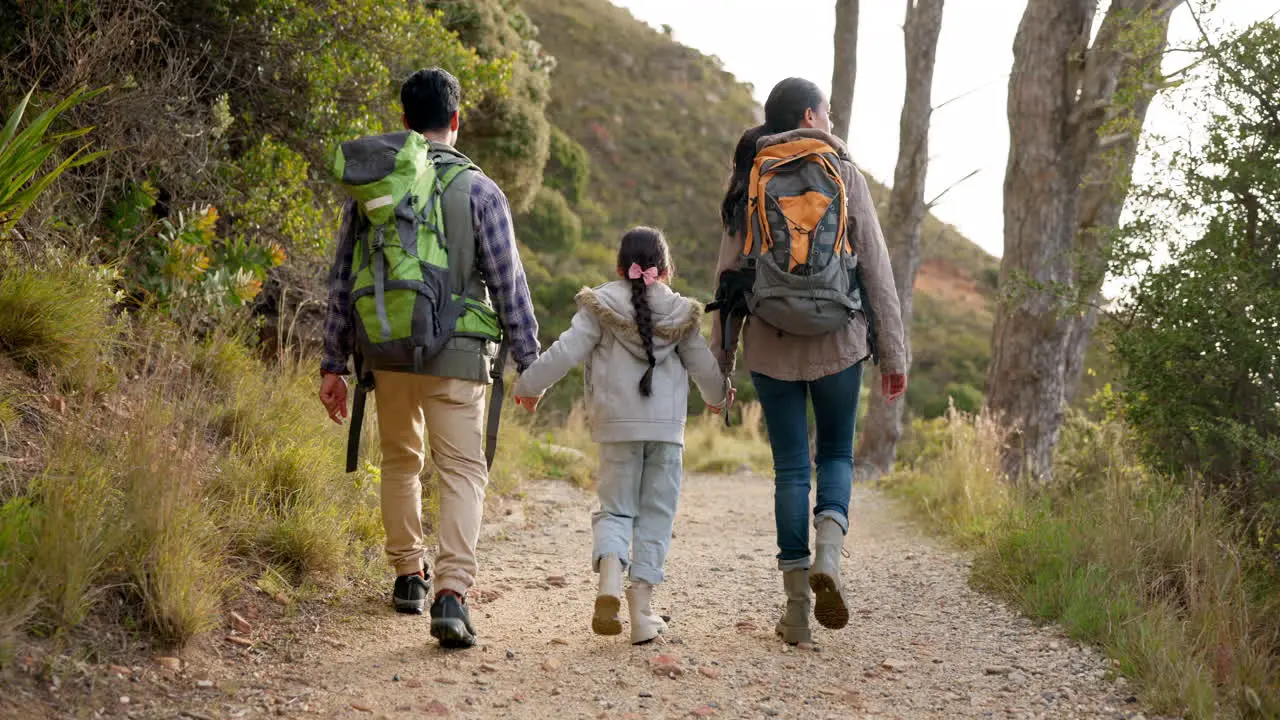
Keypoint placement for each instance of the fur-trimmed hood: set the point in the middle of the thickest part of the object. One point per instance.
(674, 316)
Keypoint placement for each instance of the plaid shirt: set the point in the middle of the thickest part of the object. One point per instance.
(498, 262)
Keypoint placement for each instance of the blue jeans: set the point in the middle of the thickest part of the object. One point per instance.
(835, 409)
(639, 488)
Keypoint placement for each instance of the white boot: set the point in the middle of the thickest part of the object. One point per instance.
(830, 606)
(605, 620)
(645, 624)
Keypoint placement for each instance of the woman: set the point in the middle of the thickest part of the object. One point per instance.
(786, 369)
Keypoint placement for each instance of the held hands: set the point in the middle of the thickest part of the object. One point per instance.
(528, 403)
(728, 402)
(893, 386)
(333, 394)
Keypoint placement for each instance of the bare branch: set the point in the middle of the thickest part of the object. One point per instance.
(929, 205)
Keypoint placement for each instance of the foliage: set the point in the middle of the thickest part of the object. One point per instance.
(568, 168)
(1169, 584)
(550, 227)
(24, 154)
(1201, 331)
(180, 264)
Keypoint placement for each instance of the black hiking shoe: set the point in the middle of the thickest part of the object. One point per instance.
(410, 594)
(451, 623)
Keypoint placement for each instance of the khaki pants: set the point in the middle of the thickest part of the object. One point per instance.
(452, 413)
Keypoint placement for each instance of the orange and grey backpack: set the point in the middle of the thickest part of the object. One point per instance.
(797, 271)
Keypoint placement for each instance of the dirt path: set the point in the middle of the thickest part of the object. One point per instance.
(921, 645)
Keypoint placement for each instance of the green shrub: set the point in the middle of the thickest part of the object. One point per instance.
(550, 227)
(568, 168)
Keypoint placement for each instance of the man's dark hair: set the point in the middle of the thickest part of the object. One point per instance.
(430, 97)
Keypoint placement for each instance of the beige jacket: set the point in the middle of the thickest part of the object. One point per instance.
(605, 337)
(779, 355)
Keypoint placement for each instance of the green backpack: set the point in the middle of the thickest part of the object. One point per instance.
(404, 303)
(405, 309)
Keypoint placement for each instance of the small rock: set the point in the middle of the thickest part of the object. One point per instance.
(444, 680)
(1055, 645)
(1017, 676)
(896, 665)
(745, 626)
(557, 581)
(997, 670)
(555, 691)
(204, 684)
(704, 711)
(362, 707)
(559, 641)
(709, 672)
(413, 684)
(241, 625)
(511, 654)
(551, 665)
(436, 708)
(486, 667)
(168, 663)
(282, 599)
(120, 670)
(124, 699)
(395, 678)
(241, 641)
(666, 666)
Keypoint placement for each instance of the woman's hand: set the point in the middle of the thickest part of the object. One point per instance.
(528, 403)
(893, 386)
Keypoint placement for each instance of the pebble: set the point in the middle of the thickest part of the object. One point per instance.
(511, 654)
(204, 684)
(169, 663)
(997, 670)
(896, 665)
(704, 711)
(362, 707)
(240, 624)
(436, 708)
(559, 641)
(709, 672)
(551, 665)
(557, 581)
(487, 667)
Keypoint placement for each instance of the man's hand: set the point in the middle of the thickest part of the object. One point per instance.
(333, 393)
(893, 386)
(528, 403)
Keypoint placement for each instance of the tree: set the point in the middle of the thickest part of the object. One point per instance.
(1062, 91)
(1200, 338)
(883, 424)
(846, 66)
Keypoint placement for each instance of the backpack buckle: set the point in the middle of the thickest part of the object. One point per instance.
(378, 241)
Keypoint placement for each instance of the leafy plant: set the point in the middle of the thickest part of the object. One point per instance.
(23, 154)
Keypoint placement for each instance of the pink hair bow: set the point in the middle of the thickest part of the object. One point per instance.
(650, 275)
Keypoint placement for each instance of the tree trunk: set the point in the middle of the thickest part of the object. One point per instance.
(1106, 184)
(882, 427)
(846, 66)
(1061, 92)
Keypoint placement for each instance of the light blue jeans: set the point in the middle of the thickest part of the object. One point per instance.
(639, 488)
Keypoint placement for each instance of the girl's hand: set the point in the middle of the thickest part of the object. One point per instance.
(528, 403)
(893, 386)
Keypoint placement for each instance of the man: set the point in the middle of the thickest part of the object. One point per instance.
(448, 398)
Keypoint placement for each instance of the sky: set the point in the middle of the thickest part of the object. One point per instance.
(975, 53)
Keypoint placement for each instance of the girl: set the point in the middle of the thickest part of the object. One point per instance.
(789, 370)
(640, 342)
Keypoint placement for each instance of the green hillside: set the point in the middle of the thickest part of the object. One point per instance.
(659, 121)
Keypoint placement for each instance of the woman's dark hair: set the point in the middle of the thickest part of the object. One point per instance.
(783, 111)
(646, 247)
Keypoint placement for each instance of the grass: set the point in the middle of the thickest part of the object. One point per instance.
(1157, 573)
(154, 502)
(55, 319)
(710, 447)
